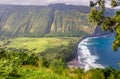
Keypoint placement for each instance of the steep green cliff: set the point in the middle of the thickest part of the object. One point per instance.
(70, 21)
(52, 20)
(25, 20)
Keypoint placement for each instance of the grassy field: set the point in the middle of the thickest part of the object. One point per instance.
(53, 54)
(48, 61)
(38, 44)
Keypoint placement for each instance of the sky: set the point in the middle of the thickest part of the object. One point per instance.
(44, 2)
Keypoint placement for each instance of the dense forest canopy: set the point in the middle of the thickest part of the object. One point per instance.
(108, 23)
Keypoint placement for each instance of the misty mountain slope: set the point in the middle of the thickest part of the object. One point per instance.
(36, 21)
(23, 19)
(70, 20)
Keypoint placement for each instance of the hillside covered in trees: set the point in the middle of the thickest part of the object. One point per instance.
(51, 20)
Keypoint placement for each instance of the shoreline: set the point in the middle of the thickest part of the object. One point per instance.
(74, 63)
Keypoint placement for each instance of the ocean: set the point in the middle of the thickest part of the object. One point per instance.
(96, 52)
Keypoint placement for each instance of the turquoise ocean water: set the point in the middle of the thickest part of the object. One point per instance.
(96, 52)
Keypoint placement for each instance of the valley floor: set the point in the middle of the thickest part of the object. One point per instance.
(45, 58)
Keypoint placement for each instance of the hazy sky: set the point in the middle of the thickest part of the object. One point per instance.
(44, 2)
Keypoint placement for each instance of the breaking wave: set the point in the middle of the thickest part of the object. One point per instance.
(86, 59)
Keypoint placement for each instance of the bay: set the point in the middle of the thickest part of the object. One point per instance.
(96, 52)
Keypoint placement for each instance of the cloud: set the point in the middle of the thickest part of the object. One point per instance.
(44, 2)
(74, 2)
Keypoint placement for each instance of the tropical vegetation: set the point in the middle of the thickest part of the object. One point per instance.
(108, 23)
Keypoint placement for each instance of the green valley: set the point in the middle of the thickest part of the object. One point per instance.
(38, 42)
(45, 58)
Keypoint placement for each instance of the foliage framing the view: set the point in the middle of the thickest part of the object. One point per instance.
(21, 65)
(108, 23)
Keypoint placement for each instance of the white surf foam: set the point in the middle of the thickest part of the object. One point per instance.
(86, 59)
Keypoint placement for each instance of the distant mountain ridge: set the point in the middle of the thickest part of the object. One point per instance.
(51, 20)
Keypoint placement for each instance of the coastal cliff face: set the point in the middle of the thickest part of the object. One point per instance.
(52, 20)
